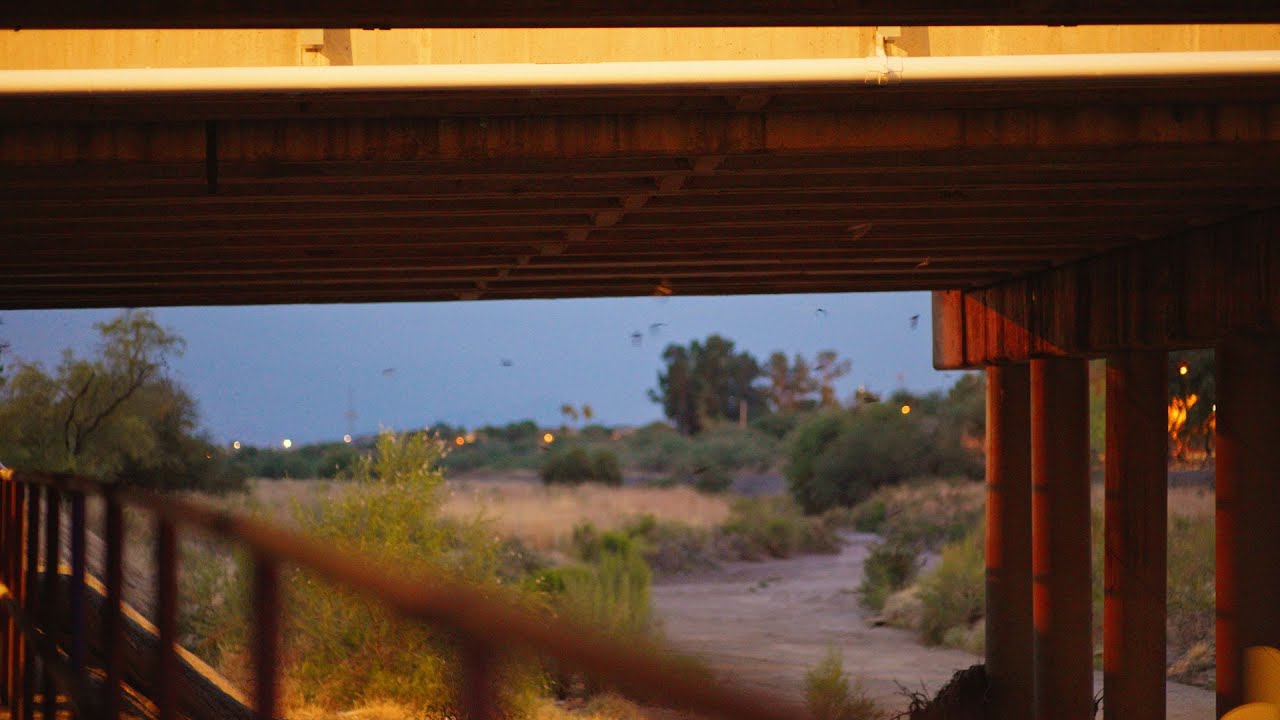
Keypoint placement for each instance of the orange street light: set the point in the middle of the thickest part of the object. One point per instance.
(906, 409)
(548, 437)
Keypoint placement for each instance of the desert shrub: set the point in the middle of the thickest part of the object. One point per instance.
(889, 567)
(605, 468)
(610, 591)
(705, 476)
(343, 649)
(656, 447)
(953, 593)
(672, 547)
(808, 444)
(774, 527)
(868, 516)
(841, 457)
(828, 695)
(777, 425)
(575, 466)
(668, 547)
(880, 446)
(926, 514)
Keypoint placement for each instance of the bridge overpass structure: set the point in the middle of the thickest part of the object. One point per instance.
(1068, 193)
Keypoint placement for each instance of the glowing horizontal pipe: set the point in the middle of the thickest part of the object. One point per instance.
(587, 77)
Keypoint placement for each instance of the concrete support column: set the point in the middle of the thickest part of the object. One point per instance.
(1010, 632)
(1134, 633)
(1248, 505)
(1060, 556)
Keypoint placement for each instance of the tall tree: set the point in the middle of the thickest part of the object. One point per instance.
(830, 369)
(707, 382)
(115, 414)
(676, 390)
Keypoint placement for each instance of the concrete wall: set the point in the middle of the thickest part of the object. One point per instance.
(31, 49)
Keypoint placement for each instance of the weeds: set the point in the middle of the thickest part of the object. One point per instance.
(925, 514)
(774, 527)
(829, 696)
(889, 567)
(953, 594)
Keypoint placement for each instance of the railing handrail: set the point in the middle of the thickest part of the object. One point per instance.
(480, 617)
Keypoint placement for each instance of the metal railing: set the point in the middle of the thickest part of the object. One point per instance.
(488, 627)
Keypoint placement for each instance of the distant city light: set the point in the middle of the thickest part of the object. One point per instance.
(1182, 368)
(235, 445)
(287, 443)
(459, 441)
(548, 438)
(906, 409)
(346, 438)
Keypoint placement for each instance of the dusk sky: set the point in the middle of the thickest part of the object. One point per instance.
(261, 374)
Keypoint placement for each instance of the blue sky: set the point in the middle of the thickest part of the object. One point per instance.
(261, 374)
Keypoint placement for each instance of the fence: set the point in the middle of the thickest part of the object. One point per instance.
(31, 510)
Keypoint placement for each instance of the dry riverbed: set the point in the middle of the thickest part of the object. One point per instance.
(765, 624)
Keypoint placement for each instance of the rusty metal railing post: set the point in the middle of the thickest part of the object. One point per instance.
(76, 600)
(14, 538)
(112, 627)
(31, 605)
(266, 645)
(6, 639)
(166, 620)
(52, 552)
(480, 680)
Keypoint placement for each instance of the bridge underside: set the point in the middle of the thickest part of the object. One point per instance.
(361, 197)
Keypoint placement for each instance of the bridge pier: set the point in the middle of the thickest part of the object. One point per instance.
(1009, 628)
(1248, 505)
(1060, 552)
(1134, 632)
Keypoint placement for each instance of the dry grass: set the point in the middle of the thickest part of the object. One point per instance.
(544, 517)
(540, 516)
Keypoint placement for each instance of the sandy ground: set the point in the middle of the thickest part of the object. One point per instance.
(765, 624)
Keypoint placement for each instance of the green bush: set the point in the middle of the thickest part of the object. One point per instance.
(774, 527)
(868, 516)
(605, 468)
(777, 425)
(841, 457)
(575, 466)
(889, 567)
(828, 695)
(807, 445)
(925, 514)
(611, 591)
(954, 593)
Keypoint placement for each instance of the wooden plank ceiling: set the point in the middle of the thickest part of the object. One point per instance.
(364, 198)
(617, 13)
